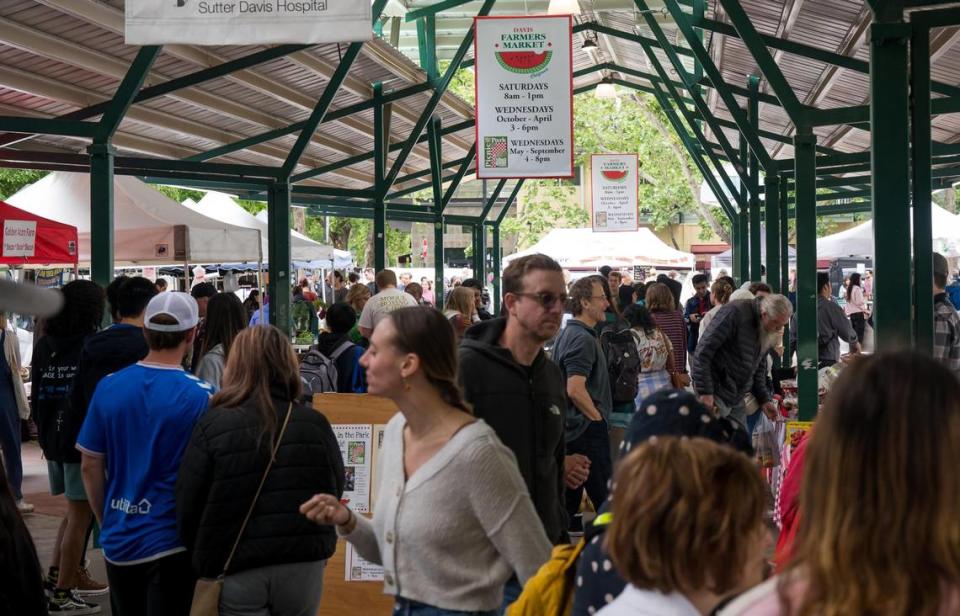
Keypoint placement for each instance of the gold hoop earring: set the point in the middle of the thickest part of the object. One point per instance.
(406, 384)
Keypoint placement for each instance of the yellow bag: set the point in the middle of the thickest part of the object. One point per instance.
(550, 591)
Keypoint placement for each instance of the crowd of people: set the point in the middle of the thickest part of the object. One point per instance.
(587, 451)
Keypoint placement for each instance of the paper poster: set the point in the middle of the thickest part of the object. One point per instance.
(378, 431)
(246, 22)
(795, 429)
(360, 570)
(19, 238)
(615, 182)
(355, 443)
(524, 85)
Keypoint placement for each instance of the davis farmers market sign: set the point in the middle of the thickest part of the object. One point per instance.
(246, 22)
(524, 97)
(614, 179)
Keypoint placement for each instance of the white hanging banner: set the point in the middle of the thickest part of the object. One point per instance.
(615, 183)
(19, 238)
(246, 22)
(524, 81)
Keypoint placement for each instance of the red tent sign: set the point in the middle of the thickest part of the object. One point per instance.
(19, 238)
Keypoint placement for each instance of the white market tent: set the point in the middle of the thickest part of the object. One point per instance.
(858, 241)
(222, 207)
(341, 258)
(584, 249)
(150, 228)
(724, 260)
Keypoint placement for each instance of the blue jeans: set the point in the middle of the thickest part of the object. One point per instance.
(594, 443)
(405, 607)
(511, 592)
(10, 444)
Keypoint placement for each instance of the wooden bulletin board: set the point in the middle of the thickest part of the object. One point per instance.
(339, 596)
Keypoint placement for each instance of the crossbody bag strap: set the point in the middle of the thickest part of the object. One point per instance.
(263, 480)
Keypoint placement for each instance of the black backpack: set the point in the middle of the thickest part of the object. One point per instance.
(623, 363)
(318, 373)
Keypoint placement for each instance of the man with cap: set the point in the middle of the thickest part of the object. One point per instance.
(137, 428)
(946, 322)
(202, 292)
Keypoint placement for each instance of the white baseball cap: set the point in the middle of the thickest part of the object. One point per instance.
(179, 306)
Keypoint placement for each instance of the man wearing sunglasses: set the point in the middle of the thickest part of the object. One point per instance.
(518, 390)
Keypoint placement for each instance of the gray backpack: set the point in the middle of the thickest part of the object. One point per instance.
(319, 372)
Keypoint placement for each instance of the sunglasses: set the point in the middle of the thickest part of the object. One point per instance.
(547, 300)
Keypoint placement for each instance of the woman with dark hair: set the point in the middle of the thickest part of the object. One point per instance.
(878, 530)
(56, 361)
(252, 304)
(655, 351)
(856, 306)
(448, 487)
(225, 319)
(14, 406)
(628, 296)
(274, 563)
(668, 317)
(21, 579)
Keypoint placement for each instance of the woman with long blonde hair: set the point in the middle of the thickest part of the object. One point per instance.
(461, 309)
(880, 500)
(277, 564)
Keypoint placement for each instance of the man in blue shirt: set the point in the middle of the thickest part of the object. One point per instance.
(135, 433)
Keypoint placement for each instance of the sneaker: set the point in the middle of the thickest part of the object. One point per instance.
(67, 602)
(24, 507)
(87, 586)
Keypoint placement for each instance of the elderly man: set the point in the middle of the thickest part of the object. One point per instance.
(729, 362)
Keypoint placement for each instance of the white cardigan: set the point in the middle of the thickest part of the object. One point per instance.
(452, 534)
(634, 601)
(11, 350)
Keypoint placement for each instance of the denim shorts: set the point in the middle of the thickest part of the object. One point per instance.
(405, 607)
(65, 479)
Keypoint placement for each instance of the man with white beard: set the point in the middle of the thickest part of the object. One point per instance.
(729, 362)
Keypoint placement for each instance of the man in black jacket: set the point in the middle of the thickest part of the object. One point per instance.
(729, 362)
(519, 392)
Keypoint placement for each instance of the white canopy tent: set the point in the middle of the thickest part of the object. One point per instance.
(724, 260)
(584, 249)
(341, 258)
(858, 241)
(149, 227)
(222, 207)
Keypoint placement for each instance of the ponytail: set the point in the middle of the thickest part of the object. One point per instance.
(451, 394)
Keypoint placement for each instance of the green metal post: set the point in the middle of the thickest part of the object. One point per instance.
(436, 175)
(479, 251)
(772, 210)
(806, 192)
(495, 247)
(890, 155)
(380, 168)
(278, 256)
(785, 263)
(753, 85)
(427, 42)
(743, 255)
(922, 222)
(101, 212)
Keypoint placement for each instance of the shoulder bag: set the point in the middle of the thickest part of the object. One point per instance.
(206, 594)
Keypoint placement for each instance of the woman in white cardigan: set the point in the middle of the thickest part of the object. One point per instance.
(13, 408)
(453, 519)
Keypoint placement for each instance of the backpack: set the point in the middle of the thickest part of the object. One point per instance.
(319, 372)
(623, 364)
(550, 590)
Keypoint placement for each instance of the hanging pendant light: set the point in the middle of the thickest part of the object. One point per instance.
(563, 7)
(606, 89)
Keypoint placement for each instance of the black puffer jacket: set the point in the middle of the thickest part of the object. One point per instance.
(729, 359)
(218, 479)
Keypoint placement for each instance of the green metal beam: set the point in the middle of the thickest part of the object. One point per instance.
(278, 256)
(784, 200)
(427, 42)
(890, 157)
(431, 105)
(381, 141)
(126, 92)
(922, 150)
(433, 9)
(742, 253)
(765, 62)
(807, 322)
(436, 181)
(101, 213)
(753, 113)
(713, 73)
(772, 238)
(48, 126)
(627, 36)
(492, 200)
(458, 178)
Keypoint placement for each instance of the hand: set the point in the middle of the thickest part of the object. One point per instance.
(325, 509)
(855, 348)
(779, 349)
(576, 469)
(694, 318)
(770, 410)
(593, 415)
(707, 400)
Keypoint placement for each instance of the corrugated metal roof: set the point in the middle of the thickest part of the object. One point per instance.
(57, 56)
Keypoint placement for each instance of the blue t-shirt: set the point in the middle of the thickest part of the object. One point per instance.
(140, 419)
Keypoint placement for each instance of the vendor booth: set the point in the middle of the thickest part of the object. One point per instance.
(29, 239)
(582, 249)
(858, 241)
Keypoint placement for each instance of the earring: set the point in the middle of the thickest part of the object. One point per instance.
(406, 384)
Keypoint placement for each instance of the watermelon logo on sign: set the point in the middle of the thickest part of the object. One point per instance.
(614, 171)
(524, 51)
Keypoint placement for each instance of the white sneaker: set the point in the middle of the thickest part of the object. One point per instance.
(24, 507)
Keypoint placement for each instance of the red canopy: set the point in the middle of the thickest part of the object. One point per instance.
(29, 239)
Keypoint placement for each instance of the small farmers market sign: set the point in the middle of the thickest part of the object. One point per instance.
(246, 22)
(524, 97)
(19, 238)
(614, 179)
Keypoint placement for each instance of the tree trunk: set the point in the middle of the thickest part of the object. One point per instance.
(702, 208)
